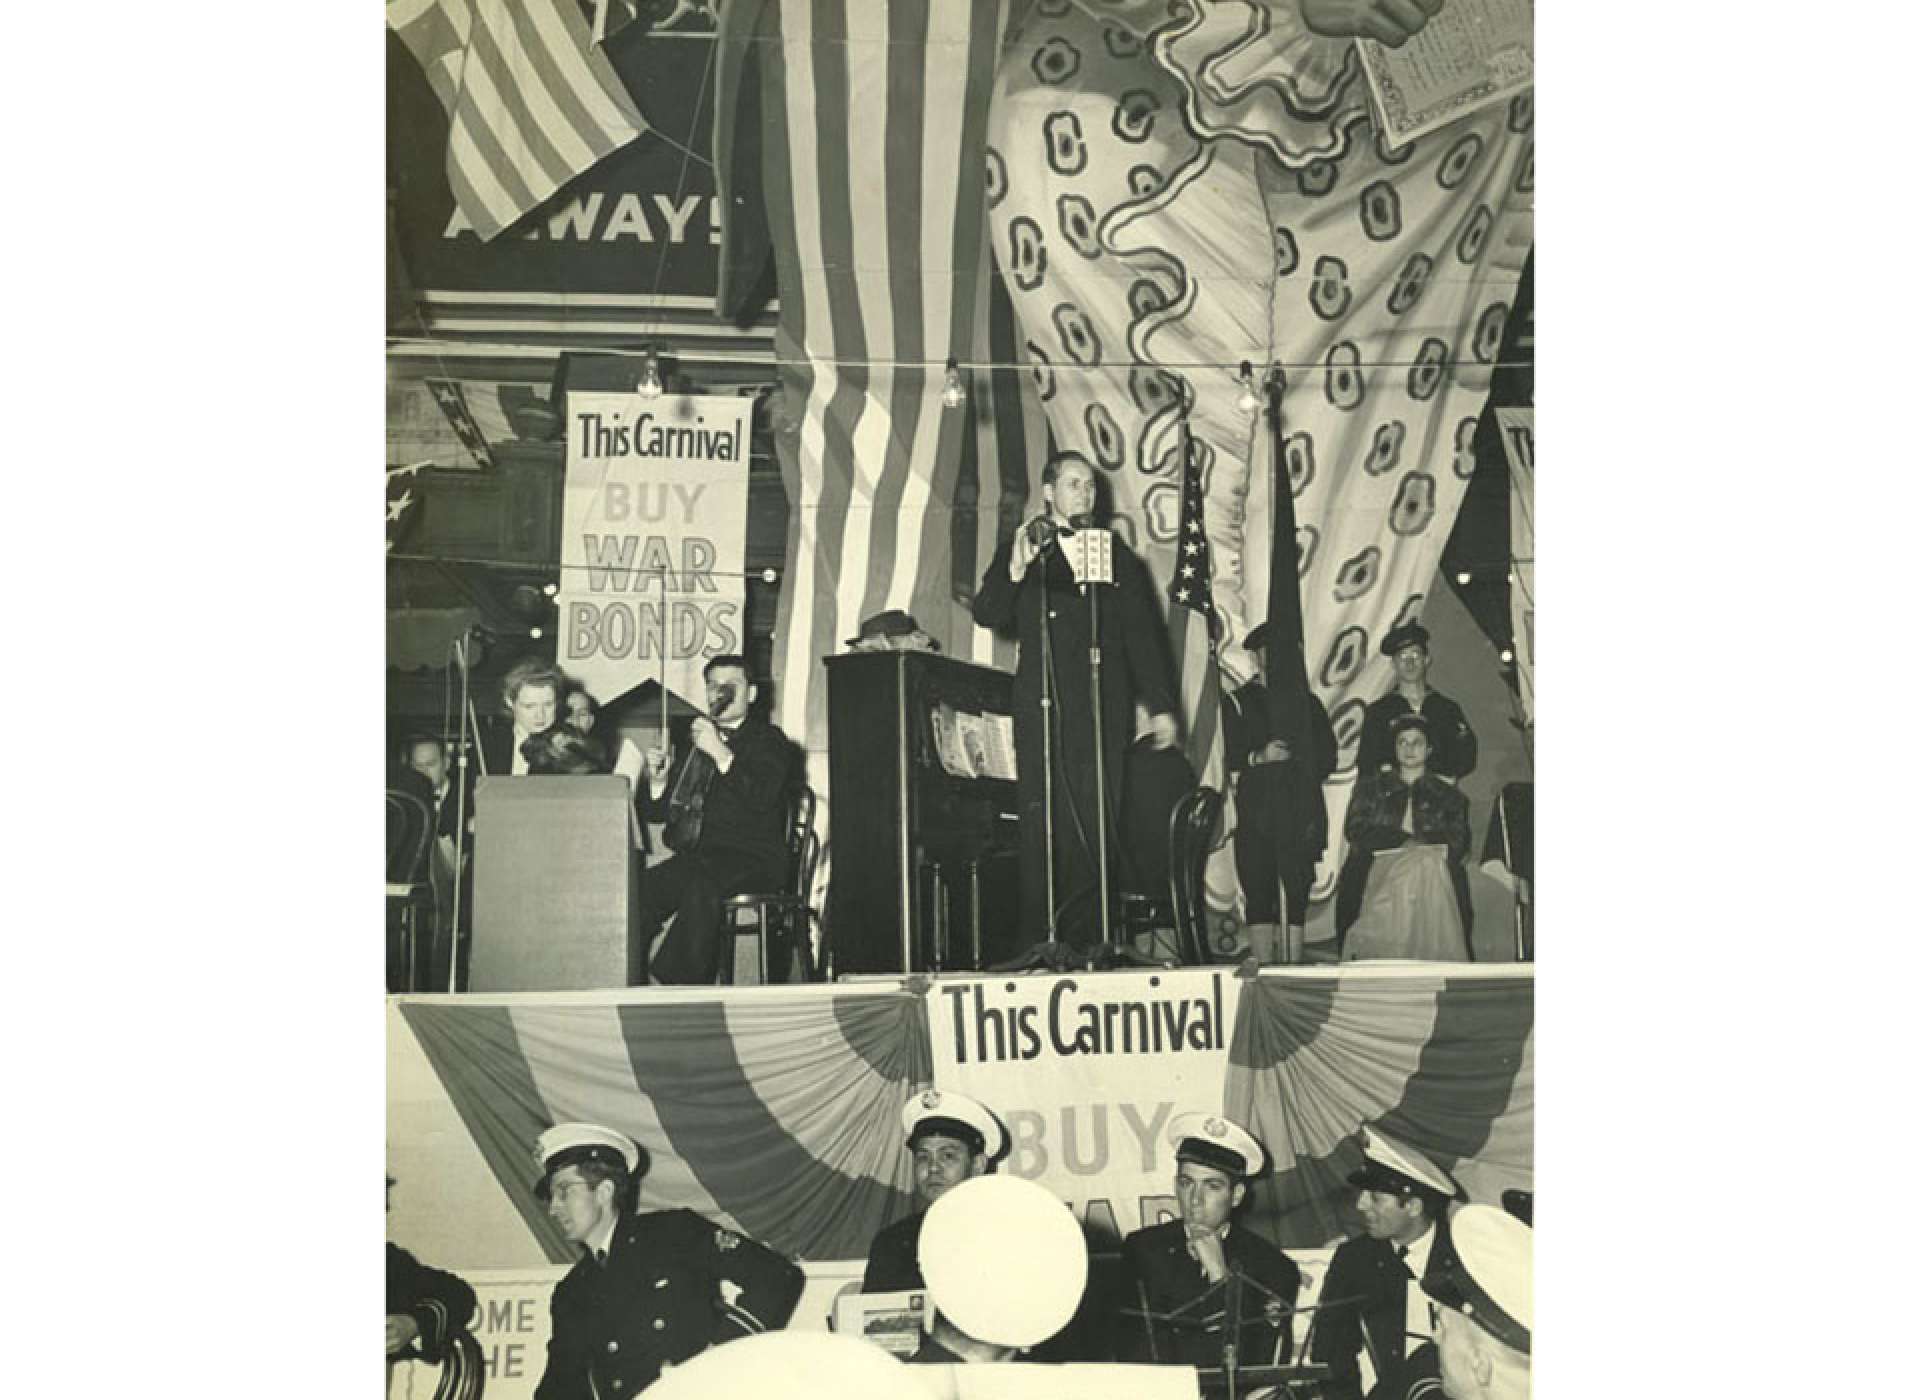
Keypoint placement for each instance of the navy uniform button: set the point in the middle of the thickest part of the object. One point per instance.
(612, 1348)
(659, 1324)
(619, 1384)
(660, 1283)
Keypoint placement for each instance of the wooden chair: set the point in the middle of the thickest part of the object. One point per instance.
(1190, 831)
(783, 912)
(409, 889)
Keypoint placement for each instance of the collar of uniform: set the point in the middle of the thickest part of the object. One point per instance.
(603, 1237)
(1419, 1251)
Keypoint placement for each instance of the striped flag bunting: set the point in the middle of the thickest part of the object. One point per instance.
(1445, 1062)
(530, 102)
(865, 176)
(775, 1117)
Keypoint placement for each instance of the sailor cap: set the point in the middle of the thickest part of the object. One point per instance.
(946, 1114)
(1004, 1259)
(1397, 1168)
(1490, 1278)
(1214, 1141)
(569, 1144)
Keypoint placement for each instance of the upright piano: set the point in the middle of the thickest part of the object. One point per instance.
(925, 823)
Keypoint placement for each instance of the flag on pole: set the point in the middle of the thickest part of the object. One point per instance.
(1195, 624)
(530, 101)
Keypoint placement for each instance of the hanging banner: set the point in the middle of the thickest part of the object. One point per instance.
(1516, 433)
(654, 541)
(1086, 1072)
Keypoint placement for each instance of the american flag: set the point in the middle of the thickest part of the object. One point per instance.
(531, 103)
(864, 175)
(453, 402)
(1195, 625)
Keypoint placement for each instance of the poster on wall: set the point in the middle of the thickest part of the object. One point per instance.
(1086, 1073)
(654, 539)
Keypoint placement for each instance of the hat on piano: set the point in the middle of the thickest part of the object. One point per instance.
(1399, 1169)
(1213, 1141)
(891, 623)
(1490, 1278)
(936, 1112)
(1004, 1260)
(569, 1144)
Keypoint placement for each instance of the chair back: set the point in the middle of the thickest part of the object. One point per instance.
(409, 836)
(1190, 837)
(463, 1375)
(803, 846)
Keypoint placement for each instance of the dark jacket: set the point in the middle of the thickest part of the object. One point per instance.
(667, 1292)
(1159, 1264)
(1374, 817)
(439, 1302)
(1456, 749)
(1367, 1283)
(746, 810)
(1285, 802)
(893, 1259)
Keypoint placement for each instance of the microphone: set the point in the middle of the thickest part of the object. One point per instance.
(723, 698)
(1042, 530)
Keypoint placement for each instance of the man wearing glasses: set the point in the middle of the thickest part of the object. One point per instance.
(650, 1290)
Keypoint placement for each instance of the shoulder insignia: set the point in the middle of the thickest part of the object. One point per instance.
(726, 1239)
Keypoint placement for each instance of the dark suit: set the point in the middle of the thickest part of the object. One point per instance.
(658, 1300)
(742, 849)
(1456, 749)
(1367, 1284)
(893, 1259)
(439, 1302)
(1158, 1261)
(1134, 663)
(1281, 823)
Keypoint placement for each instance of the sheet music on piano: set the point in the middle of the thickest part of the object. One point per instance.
(1471, 55)
(973, 745)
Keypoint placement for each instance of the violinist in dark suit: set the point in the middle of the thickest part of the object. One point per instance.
(724, 799)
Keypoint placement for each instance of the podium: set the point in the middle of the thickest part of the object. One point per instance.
(555, 883)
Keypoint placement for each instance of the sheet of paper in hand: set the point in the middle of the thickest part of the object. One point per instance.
(1471, 55)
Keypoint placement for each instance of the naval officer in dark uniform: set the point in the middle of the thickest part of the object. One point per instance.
(1371, 1300)
(952, 1139)
(1180, 1268)
(650, 1290)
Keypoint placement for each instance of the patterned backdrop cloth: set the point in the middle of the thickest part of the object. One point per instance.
(1445, 1063)
(1176, 189)
(776, 1118)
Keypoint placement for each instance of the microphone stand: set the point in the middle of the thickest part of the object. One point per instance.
(469, 740)
(1050, 952)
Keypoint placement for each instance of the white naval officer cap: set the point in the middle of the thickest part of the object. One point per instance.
(1395, 1167)
(1490, 1279)
(1004, 1259)
(1216, 1141)
(939, 1111)
(569, 1144)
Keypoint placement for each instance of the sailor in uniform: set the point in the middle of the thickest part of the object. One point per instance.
(1486, 1310)
(1368, 1301)
(1179, 1266)
(952, 1139)
(650, 1290)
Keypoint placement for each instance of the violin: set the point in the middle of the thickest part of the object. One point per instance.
(687, 804)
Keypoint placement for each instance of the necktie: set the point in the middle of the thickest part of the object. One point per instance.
(1401, 1250)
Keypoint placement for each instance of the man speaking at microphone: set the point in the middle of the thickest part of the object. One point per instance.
(1030, 590)
(739, 767)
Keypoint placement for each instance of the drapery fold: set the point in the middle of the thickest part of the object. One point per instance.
(776, 1117)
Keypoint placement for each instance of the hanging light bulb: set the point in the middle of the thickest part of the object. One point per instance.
(536, 632)
(1506, 655)
(770, 576)
(955, 393)
(552, 590)
(1463, 578)
(649, 385)
(1249, 399)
